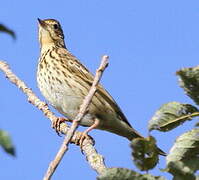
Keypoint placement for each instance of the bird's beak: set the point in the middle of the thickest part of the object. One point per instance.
(41, 23)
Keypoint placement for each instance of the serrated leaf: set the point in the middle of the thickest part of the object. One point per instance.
(6, 143)
(171, 115)
(125, 174)
(145, 153)
(7, 30)
(189, 81)
(183, 159)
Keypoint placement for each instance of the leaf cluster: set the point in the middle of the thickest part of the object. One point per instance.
(183, 159)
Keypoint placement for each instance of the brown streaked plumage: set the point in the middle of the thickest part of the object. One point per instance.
(64, 82)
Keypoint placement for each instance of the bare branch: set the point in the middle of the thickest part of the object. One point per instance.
(94, 159)
(87, 100)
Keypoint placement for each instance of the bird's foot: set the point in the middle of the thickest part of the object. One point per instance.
(56, 124)
(84, 136)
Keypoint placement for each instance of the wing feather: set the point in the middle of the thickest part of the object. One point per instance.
(88, 78)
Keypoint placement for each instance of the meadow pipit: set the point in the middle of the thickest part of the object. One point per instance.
(64, 82)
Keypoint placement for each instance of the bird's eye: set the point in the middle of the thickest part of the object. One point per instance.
(55, 26)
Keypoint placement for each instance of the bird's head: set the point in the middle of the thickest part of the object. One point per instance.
(50, 33)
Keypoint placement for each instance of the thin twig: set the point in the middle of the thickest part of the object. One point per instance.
(87, 100)
(95, 160)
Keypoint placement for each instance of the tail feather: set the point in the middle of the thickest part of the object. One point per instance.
(161, 152)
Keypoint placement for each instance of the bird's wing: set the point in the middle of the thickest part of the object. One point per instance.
(83, 73)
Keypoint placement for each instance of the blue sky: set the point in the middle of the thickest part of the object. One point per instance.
(147, 41)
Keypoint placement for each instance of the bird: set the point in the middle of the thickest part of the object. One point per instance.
(64, 82)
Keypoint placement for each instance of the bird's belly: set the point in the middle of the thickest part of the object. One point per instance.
(59, 96)
(67, 103)
(70, 108)
(66, 100)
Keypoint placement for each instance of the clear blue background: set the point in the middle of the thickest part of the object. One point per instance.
(147, 41)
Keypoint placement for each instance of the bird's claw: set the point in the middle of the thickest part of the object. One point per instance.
(56, 124)
(82, 138)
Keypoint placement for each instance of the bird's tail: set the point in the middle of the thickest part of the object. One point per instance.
(161, 152)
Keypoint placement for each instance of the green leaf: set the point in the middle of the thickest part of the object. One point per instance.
(6, 143)
(7, 30)
(189, 81)
(183, 159)
(125, 174)
(145, 153)
(180, 171)
(171, 115)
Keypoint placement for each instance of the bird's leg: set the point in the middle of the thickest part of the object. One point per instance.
(56, 124)
(85, 133)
